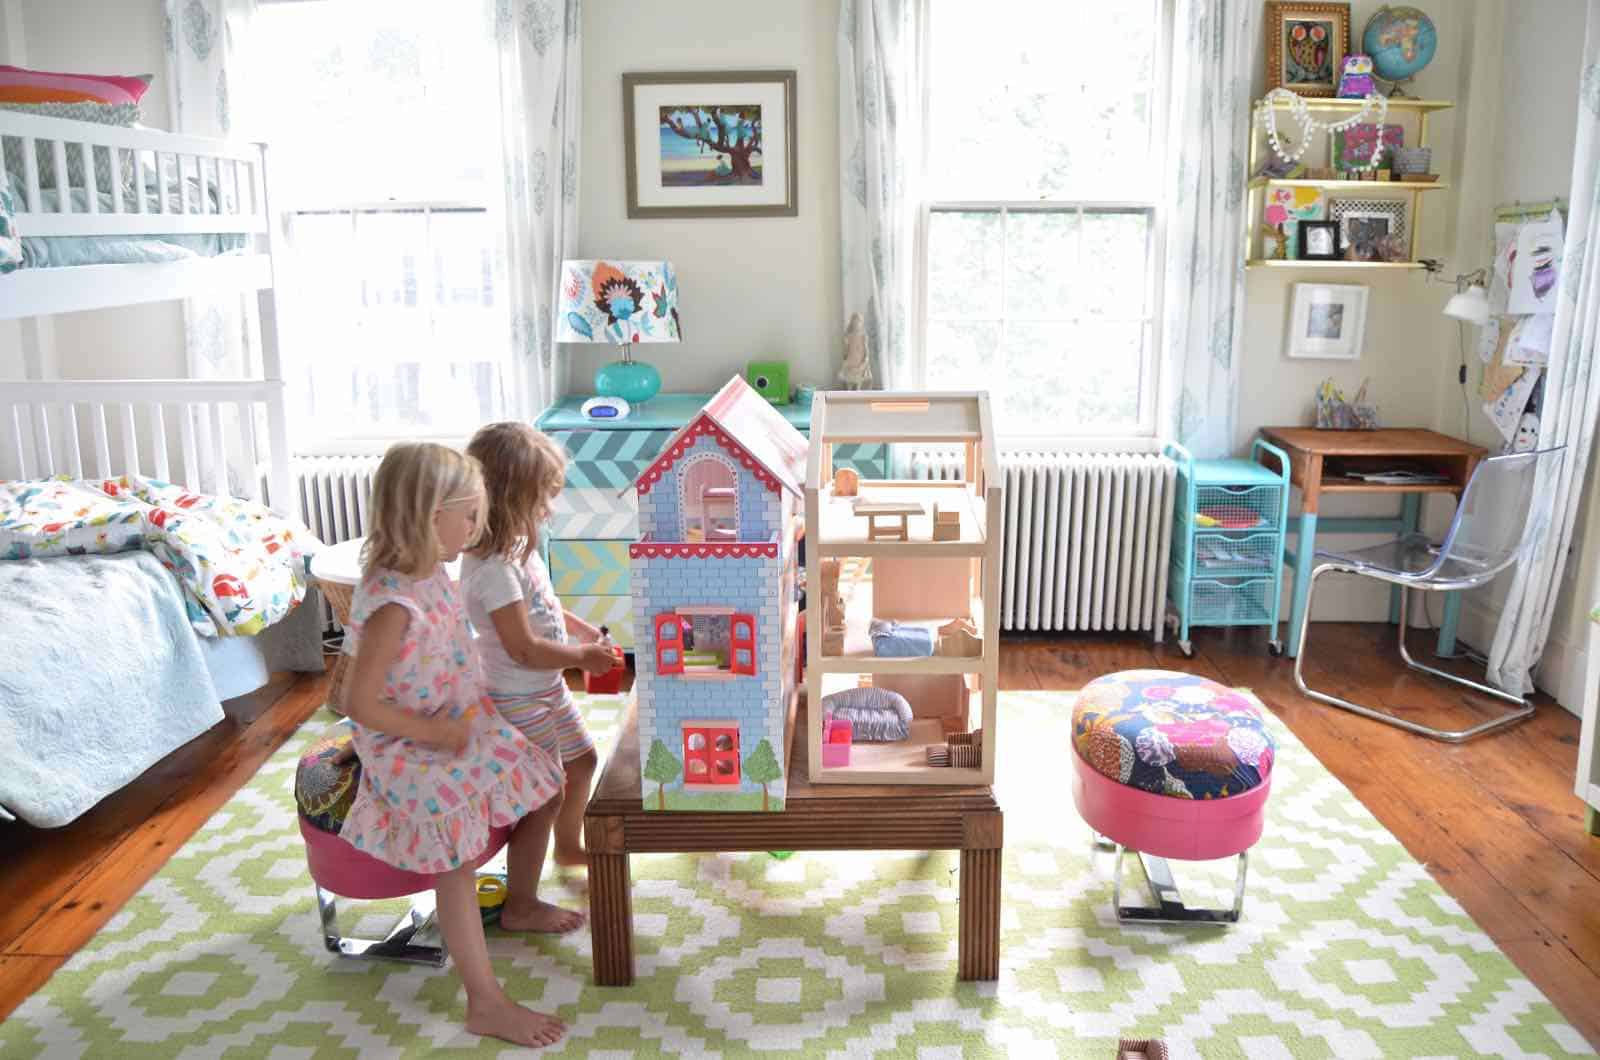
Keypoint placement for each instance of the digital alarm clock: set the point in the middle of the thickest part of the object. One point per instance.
(604, 408)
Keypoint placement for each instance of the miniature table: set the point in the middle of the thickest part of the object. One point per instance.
(1314, 456)
(821, 817)
(876, 509)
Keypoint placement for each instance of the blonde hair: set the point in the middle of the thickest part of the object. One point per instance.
(522, 471)
(414, 481)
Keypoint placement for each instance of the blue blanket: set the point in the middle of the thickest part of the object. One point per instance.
(103, 677)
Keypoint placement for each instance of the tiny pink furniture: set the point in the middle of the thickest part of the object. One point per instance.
(1171, 765)
(325, 786)
(837, 736)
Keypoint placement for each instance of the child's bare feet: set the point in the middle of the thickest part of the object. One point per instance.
(573, 858)
(509, 1021)
(540, 916)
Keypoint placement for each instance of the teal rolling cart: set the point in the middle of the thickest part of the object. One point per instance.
(1227, 542)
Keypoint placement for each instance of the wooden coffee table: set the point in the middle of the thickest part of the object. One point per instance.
(825, 817)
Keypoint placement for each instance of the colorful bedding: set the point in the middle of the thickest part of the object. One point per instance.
(242, 567)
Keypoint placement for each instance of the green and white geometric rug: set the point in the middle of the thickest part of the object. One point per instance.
(1347, 948)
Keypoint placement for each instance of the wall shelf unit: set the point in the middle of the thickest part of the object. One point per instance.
(1411, 114)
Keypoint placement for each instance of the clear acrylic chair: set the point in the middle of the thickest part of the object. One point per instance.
(1485, 537)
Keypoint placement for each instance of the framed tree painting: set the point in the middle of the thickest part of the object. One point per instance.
(710, 144)
(1306, 45)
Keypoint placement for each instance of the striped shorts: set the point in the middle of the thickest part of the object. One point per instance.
(550, 721)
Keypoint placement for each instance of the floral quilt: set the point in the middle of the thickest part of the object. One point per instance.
(242, 566)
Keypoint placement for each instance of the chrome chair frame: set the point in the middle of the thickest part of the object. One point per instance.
(414, 939)
(1425, 580)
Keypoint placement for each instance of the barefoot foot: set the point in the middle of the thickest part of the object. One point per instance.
(539, 916)
(573, 858)
(509, 1021)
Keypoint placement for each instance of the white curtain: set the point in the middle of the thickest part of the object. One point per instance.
(1216, 44)
(1571, 403)
(540, 47)
(881, 117)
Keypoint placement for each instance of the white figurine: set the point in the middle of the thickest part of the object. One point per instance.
(856, 371)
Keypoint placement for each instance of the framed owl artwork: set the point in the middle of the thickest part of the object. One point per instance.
(1306, 46)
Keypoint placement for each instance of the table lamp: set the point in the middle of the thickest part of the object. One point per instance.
(620, 302)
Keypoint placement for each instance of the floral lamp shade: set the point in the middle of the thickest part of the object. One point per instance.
(619, 302)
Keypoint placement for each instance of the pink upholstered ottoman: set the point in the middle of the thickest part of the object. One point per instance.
(325, 787)
(1171, 765)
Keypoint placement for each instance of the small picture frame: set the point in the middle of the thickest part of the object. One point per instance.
(1306, 46)
(1363, 223)
(1319, 241)
(1328, 321)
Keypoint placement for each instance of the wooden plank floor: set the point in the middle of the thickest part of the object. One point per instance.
(1495, 821)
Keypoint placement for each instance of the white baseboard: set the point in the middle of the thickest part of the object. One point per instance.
(1560, 673)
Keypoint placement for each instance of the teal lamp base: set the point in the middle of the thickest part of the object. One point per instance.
(632, 381)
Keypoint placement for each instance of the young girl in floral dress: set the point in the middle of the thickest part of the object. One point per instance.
(440, 768)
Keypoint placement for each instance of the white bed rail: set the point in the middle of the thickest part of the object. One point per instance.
(105, 428)
(180, 184)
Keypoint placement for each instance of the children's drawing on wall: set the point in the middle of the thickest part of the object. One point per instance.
(1536, 267)
(1519, 400)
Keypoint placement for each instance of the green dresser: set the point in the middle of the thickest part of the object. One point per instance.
(596, 516)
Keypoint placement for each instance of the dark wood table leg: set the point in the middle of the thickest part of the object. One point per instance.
(978, 930)
(610, 901)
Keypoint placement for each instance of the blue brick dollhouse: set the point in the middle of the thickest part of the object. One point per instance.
(713, 582)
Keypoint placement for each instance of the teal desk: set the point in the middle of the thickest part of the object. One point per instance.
(595, 517)
(1315, 457)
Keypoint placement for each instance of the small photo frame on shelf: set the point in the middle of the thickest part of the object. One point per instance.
(1319, 241)
(1353, 147)
(1306, 46)
(1363, 224)
(1328, 321)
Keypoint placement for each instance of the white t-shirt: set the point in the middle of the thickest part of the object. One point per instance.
(489, 585)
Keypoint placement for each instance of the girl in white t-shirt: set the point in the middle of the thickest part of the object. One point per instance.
(525, 638)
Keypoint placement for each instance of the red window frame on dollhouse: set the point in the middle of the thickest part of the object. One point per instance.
(710, 752)
(671, 657)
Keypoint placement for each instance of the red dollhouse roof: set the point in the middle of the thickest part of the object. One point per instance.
(747, 426)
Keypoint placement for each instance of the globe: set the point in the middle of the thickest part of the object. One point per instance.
(1401, 41)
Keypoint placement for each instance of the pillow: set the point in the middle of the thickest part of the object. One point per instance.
(125, 115)
(60, 518)
(10, 242)
(18, 85)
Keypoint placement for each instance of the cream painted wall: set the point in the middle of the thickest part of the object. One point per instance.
(1409, 356)
(136, 341)
(751, 288)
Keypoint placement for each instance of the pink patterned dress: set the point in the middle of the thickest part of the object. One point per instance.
(422, 808)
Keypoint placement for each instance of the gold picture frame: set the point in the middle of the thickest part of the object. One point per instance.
(1306, 46)
(674, 171)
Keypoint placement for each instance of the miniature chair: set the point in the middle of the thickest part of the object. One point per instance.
(1485, 537)
(1171, 765)
(325, 786)
(718, 513)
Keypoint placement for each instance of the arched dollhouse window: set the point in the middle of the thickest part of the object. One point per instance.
(708, 497)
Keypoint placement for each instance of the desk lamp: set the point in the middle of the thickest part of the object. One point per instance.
(619, 302)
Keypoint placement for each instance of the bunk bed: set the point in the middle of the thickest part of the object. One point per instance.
(182, 217)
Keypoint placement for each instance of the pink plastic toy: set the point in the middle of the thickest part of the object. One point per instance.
(836, 739)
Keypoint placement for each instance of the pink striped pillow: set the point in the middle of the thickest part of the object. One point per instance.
(40, 86)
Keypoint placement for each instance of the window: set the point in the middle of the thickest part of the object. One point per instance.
(705, 642)
(710, 752)
(383, 122)
(1042, 234)
(709, 498)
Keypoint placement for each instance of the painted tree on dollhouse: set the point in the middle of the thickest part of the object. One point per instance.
(713, 583)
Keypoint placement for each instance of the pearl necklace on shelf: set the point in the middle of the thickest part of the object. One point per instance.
(1373, 111)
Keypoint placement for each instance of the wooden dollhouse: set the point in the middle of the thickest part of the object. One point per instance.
(713, 581)
(901, 613)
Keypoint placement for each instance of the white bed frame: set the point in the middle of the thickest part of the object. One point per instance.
(46, 425)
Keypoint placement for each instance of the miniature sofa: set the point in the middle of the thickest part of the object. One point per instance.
(876, 715)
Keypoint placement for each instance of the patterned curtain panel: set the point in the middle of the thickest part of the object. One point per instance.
(205, 65)
(1215, 47)
(880, 136)
(1571, 403)
(540, 50)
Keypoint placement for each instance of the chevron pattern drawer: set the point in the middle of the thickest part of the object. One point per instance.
(594, 513)
(608, 459)
(589, 568)
(613, 612)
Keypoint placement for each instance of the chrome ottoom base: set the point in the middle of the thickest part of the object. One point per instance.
(415, 938)
(1169, 907)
